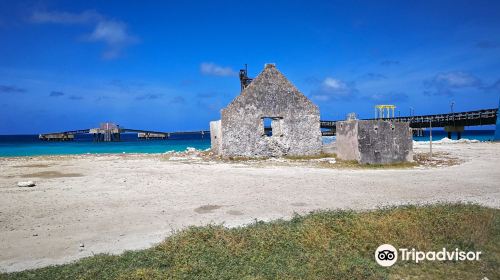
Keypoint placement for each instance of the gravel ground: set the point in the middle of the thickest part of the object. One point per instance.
(89, 204)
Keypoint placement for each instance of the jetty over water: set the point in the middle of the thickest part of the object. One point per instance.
(110, 132)
(451, 122)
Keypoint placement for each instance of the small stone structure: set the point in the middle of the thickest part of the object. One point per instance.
(374, 141)
(270, 98)
(216, 136)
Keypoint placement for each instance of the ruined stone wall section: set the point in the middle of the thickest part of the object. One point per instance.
(215, 136)
(374, 142)
(347, 140)
(383, 142)
(270, 95)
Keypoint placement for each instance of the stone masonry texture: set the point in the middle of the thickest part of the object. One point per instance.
(295, 120)
(374, 142)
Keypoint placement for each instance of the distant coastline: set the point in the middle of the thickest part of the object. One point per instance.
(29, 145)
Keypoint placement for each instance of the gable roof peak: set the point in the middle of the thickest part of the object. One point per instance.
(269, 65)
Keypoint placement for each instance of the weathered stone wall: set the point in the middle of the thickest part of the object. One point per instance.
(215, 136)
(347, 140)
(296, 126)
(374, 142)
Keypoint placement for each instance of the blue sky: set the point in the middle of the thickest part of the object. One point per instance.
(172, 66)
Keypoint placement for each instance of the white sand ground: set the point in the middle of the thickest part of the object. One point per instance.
(115, 202)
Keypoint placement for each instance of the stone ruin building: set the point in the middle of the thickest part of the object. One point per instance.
(270, 99)
(374, 141)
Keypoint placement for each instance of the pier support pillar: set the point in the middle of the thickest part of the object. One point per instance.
(457, 129)
(497, 127)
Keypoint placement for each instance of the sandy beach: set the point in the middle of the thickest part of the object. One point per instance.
(89, 204)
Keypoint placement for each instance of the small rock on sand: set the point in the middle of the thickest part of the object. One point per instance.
(26, 184)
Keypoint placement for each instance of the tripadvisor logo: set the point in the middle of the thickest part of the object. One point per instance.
(387, 255)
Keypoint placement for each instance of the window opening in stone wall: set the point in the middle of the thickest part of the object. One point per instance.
(272, 126)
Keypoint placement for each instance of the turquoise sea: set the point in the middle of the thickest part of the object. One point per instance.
(30, 145)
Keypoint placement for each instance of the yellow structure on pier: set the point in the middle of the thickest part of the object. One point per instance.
(384, 111)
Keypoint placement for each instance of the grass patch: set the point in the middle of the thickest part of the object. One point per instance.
(349, 164)
(318, 156)
(439, 159)
(320, 245)
(356, 165)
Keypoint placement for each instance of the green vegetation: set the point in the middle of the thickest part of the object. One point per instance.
(319, 156)
(352, 164)
(320, 245)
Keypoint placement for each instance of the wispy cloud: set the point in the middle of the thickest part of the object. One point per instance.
(178, 100)
(11, 89)
(113, 33)
(373, 76)
(495, 87)
(211, 104)
(212, 69)
(389, 62)
(75, 97)
(56, 93)
(148, 97)
(334, 84)
(456, 79)
(485, 44)
(446, 82)
(102, 98)
(65, 17)
(334, 89)
(173, 100)
(388, 97)
(206, 94)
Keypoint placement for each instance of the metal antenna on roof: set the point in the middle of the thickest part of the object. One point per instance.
(244, 80)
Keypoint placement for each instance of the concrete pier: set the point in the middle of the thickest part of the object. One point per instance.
(107, 132)
(110, 132)
(497, 127)
(148, 135)
(458, 129)
(56, 137)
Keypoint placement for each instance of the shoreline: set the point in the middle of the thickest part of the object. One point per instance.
(326, 141)
(117, 202)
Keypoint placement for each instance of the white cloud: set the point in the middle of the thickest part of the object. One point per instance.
(65, 17)
(388, 97)
(112, 33)
(457, 79)
(320, 97)
(446, 82)
(334, 84)
(209, 68)
(334, 89)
